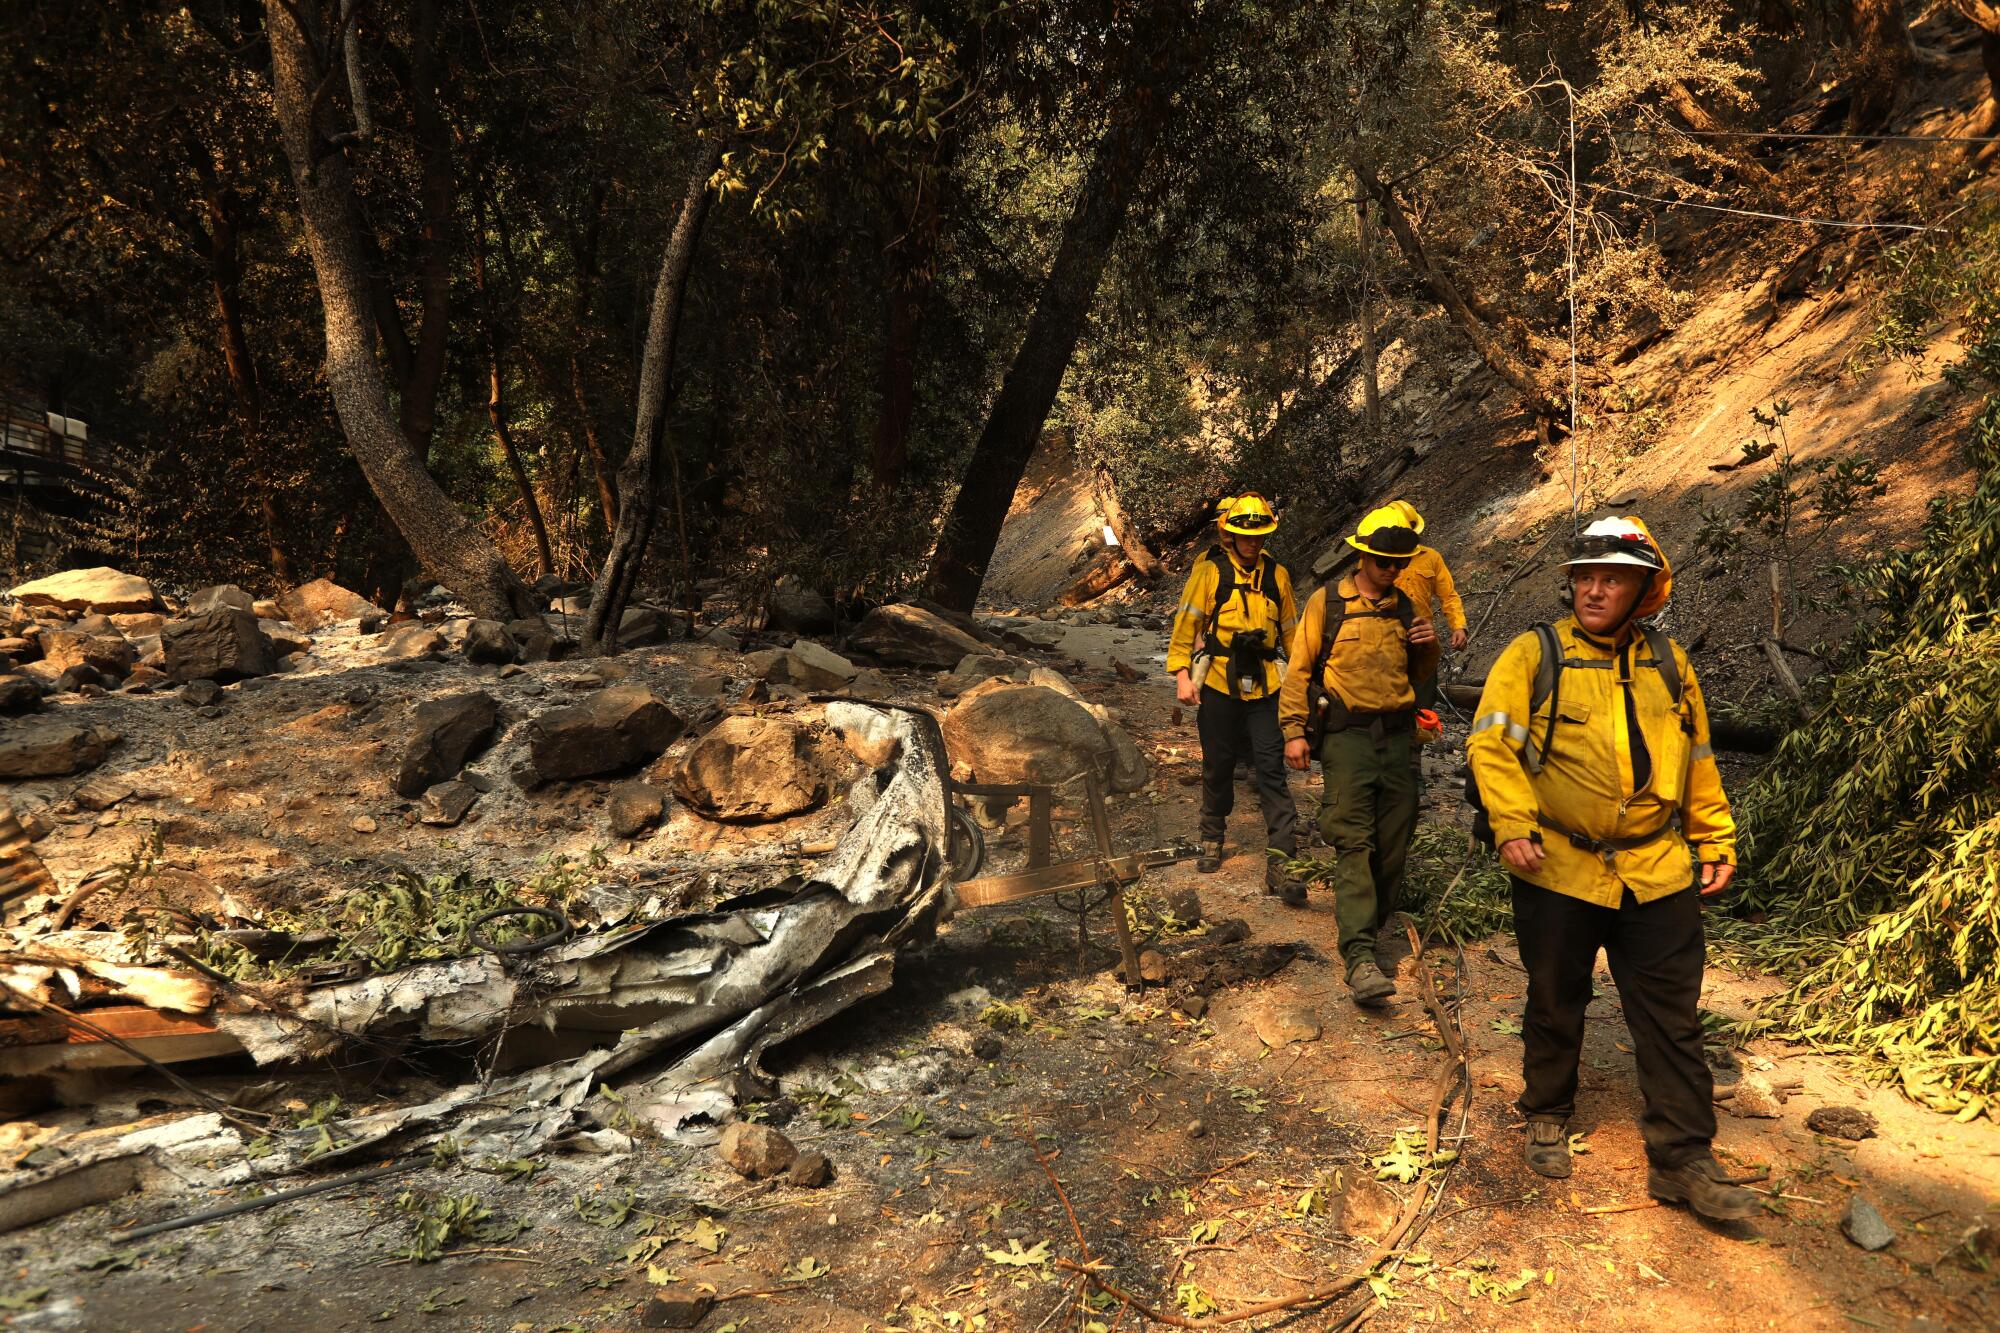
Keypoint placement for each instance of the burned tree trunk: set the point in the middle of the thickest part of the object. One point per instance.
(1884, 57)
(1985, 15)
(496, 403)
(652, 449)
(1544, 398)
(1014, 426)
(451, 549)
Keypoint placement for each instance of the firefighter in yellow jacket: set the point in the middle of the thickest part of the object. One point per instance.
(1590, 751)
(1235, 618)
(1350, 700)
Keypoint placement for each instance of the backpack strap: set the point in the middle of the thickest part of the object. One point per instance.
(1547, 689)
(1663, 660)
(1225, 585)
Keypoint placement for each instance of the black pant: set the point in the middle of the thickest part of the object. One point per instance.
(1230, 729)
(1656, 952)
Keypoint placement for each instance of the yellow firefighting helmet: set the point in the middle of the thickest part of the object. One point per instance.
(1410, 515)
(1626, 540)
(1250, 516)
(1386, 532)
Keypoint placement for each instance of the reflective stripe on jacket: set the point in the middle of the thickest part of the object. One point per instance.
(1370, 667)
(1587, 782)
(1426, 577)
(1249, 608)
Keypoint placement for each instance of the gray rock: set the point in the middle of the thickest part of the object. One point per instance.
(323, 602)
(1865, 1226)
(285, 640)
(1023, 733)
(447, 803)
(488, 642)
(800, 610)
(1130, 770)
(18, 695)
(109, 655)
(52, 749)
(221, 597)
(635, 807)
(614, 728)
(810, 1171)
(644, 626)
(444, 733)
(723, 639)
(537, 641)
(1756, 1099)
(670, 1309)
(412, 639)
(756, 1151)
(754, 769)
(202, 693)
(805, 665)
(220, 646)
(1032, 638)
(911, 636)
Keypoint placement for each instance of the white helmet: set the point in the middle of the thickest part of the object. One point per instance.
(1616, 541)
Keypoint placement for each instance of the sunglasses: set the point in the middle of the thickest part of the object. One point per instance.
(1388, 562)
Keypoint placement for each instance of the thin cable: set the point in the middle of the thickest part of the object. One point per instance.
(1773, 217)
(1798, 134)
(1575, 496)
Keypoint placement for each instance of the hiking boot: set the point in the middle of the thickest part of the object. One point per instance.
(1702, 1186)
(1548, 1149)
(1290, 890)
(1210, 859)
(1368, 985)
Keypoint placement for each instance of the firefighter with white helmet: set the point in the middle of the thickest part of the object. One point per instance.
(1592, 770)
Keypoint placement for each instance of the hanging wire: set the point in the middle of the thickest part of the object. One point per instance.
(1676, 132)
(1772, 217)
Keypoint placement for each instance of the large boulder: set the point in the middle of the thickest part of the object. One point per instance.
(19, 694)
(444, 733)
(52, 749)
(221, 597)
(109, 655)
(644, 626)
(754, 769)
(911, 636)
(99, 589)
(800, 610)
(805, 665)
(488, 641)
(323, 602)
(1023, 733)
(412, 638)
(222, 645)
(1130, 769)
(614, 728)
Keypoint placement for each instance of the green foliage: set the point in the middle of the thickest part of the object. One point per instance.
(1454, 888)
(439, 1221)
(1788, 512)
(1872, 839)
(1921, 283)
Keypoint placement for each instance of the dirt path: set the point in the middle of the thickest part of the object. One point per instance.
(1206, 1166)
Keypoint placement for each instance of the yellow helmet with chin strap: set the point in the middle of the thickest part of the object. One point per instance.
(1409, 513)
(1250, 516)
(1387, 532)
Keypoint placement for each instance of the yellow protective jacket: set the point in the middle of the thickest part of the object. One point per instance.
(1587, 781)
(1428, 576)
(1251, 606)
(1371, 666)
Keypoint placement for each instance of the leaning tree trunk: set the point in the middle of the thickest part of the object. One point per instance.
(639, 478)
(1545, 399)
(1014, 426)
(452, 550)
(1985, 15)
(1884, 58)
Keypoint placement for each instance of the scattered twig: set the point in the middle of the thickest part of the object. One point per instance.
(1602, 1209)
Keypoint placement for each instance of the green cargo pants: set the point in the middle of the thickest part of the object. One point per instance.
(1367, 814)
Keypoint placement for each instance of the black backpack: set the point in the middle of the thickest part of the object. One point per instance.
(1548, 689)
(1320, 701)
